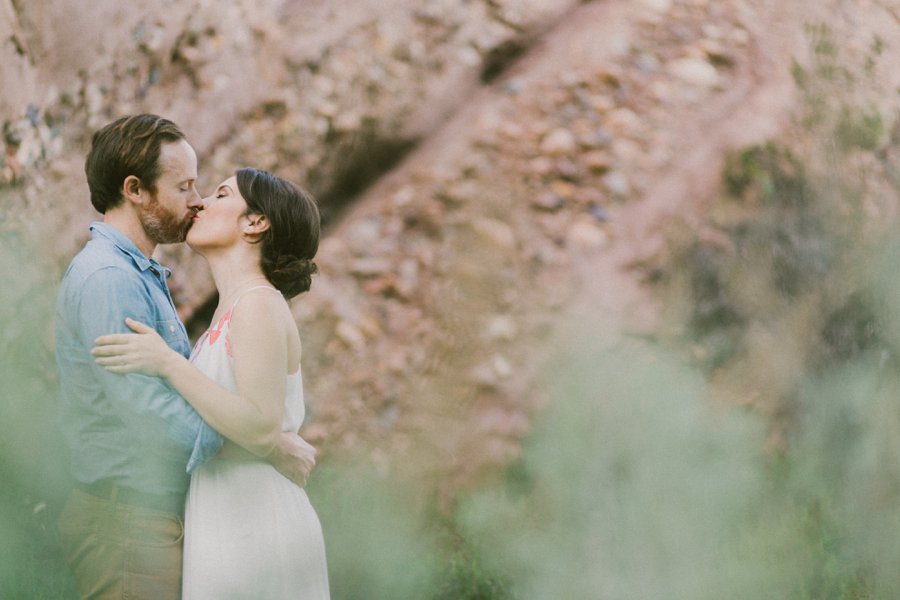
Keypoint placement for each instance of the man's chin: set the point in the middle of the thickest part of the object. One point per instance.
(163, 227)
(172, 235)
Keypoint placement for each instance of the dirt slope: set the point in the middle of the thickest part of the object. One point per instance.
(444, 288)
(491, 172)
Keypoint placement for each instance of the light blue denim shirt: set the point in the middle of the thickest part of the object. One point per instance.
(134, 429)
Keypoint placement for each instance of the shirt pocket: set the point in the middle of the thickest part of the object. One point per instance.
(170, 330)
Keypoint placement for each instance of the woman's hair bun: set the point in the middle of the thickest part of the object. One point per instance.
(291, 275)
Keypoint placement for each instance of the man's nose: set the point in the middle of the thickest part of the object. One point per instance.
(195, 201)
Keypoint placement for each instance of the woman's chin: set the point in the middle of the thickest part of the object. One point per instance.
(191, 241)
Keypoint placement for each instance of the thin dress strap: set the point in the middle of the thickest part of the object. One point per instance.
(256, 287)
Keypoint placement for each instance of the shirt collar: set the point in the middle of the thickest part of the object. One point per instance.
(99, 228)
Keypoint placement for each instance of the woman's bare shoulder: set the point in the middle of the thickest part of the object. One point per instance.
(260, 308)
(267, 314)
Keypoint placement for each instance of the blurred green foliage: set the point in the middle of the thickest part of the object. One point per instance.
(636, 487)
(376, 544)
(33, 480)
(792, 303)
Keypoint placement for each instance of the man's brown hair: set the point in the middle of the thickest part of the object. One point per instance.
(127, 146)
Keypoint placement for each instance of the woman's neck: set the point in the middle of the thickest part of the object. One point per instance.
(234, 274)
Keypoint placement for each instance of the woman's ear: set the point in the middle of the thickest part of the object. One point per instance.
(132, 190)
(256, 225)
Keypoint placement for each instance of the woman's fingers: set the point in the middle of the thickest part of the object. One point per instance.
(114, 349)
(112, 339)
(108, 350)
(110, 361)
(138, 327)
(115, 343)
(115, 364)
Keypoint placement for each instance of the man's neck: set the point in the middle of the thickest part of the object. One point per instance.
(128, 225)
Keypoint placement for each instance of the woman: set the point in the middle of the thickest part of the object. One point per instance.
(249, 531)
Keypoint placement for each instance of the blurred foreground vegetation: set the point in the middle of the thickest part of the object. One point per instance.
(33, 479)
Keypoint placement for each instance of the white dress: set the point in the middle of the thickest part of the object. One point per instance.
(250, 533)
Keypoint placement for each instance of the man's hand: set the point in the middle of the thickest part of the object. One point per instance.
(293, 457)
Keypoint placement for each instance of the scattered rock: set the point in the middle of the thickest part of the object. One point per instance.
(558, 141)
(350, 335)
(370, 266)
(501, 366)
(597, 161)
(548, 201)
(599, 213)
(617, 184)
(586, 234)
(568, 169)
(541, 165)
(484, 376)
(496, 232)
(501, 328)
(658, 5)
(694, 71)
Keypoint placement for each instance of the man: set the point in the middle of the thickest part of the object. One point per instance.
(133, 439)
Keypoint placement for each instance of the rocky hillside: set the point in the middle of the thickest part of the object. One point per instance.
(487, 170)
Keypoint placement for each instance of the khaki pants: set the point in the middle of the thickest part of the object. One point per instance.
(119, 551)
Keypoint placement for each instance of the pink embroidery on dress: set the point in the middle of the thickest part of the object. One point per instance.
(215, 332)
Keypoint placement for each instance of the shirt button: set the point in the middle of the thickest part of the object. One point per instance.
(171, 328)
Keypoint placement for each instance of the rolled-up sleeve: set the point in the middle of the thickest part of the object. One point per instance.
(142, 402)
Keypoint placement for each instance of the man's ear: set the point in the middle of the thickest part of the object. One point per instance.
(132, 190)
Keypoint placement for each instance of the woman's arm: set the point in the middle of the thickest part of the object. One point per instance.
(252, 418)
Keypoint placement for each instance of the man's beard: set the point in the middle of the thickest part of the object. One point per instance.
(161, 225)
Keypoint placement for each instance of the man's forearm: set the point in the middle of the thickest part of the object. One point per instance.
(293, 457)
